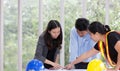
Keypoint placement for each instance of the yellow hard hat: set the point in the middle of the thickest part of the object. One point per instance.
(96, 65)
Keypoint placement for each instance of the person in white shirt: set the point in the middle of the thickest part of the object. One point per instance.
(80, 42)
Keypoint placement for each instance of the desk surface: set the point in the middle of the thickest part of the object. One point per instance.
(67, 70)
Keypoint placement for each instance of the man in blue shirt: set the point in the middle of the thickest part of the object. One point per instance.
(80, 42)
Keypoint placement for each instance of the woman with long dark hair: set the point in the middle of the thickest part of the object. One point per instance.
(49, 45)
(108, 43)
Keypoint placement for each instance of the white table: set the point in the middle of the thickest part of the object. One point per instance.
(67, 70)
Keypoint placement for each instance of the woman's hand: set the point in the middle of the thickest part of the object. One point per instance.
(69, 66)
(57, 66)
(111, 69)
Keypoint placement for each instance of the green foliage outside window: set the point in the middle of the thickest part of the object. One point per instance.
(51, 10)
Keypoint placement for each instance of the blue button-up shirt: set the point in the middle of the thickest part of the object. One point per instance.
(80, 45)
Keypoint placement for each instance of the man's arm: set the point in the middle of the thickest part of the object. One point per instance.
(73, 46)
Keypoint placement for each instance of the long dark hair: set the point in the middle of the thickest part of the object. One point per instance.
(98, 27)
(48, 38)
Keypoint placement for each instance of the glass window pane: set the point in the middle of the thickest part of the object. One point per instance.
(51, 10)
(30, 29)
(10, 34)
(96, 10)
(114, 14)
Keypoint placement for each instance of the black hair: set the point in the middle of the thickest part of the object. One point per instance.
(98, 27)
(48, 38)
(81, 24)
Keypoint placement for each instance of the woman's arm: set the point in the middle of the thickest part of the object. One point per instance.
(117, 47)
(84, 56)
(57, 58)
(55, 64)
(49, 62)
(42, 49)
(39, 50)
